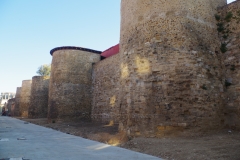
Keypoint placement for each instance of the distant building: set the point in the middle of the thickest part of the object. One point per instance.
(5, 96)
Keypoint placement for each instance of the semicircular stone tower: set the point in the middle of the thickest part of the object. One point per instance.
(38, 107)
(171, 69)
(16, 111)
(71, 82)
(25, 97)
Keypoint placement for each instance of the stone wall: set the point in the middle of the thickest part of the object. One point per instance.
(25, 97)
(39, 97)
(16, 110)
(71, 82)
(171, 70)
(229, 17)
(106, 79)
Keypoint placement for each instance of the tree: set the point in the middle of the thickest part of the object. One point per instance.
(44, 70)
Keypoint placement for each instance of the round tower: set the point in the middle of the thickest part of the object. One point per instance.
(25, 97)
(16, 110)
(71, 83)
(39, 97)
(171, 69)
(11, 106)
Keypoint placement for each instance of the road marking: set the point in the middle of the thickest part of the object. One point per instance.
(15, 159)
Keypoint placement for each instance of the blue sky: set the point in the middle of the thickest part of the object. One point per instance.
(29, 29)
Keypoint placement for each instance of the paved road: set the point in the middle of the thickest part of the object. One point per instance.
(19, 140)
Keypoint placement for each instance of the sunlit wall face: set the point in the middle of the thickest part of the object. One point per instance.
(168, 54)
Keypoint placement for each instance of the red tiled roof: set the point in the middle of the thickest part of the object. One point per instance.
(111, 51)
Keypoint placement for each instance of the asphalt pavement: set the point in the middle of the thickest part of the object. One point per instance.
(20, 140)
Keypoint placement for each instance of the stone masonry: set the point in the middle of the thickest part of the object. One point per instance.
(229, 20)
(39, 97)
(71, 83)
(172, 72)
(106, 86)
(25, 97)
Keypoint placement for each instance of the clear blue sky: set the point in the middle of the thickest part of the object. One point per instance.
(29, 29)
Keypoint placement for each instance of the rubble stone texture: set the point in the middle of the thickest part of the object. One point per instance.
(232, 63)
(106, 86)
(16, 110)
(39, 97)
(171, 70)
(25, 97)
(70, 84)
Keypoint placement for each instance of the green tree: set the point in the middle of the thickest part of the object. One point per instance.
(44, 70)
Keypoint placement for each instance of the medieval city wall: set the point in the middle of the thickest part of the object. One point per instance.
(229, 33)
(178, 68)
(171, 74)
(38, 107)
(70, 89)
(25, 97)
(106, 86)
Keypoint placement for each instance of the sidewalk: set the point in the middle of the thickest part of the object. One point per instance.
(31, 142)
